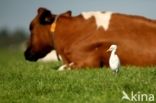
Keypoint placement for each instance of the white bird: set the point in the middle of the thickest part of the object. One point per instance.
(114, 61)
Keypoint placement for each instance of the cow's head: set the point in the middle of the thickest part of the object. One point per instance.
(41, 39)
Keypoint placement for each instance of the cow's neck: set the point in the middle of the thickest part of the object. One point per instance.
(52, 29)
(71, 27)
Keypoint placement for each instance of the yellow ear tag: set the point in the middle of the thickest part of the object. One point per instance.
(53, 26)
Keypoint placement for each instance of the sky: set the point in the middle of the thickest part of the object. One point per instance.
(19, 13)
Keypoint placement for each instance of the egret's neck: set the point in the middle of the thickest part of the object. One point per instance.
(113, 52)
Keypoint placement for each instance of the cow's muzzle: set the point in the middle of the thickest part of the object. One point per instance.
(30, 55)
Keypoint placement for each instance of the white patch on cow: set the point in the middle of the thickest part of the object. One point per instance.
(50, 57)
(102, 18)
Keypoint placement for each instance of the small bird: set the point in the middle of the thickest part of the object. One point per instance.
(114, 61)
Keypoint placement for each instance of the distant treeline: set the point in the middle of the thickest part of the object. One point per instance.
(12, 39)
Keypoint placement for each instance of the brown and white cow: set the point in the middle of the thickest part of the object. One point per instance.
(83, 40)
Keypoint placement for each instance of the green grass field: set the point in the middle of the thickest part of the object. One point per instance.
(27, 82)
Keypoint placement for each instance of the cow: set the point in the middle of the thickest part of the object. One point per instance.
(82, 40)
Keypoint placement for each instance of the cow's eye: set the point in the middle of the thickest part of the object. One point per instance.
(46, 18)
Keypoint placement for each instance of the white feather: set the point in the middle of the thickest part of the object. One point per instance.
(114, 61)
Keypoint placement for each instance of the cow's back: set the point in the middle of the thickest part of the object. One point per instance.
(78, 39)
(135, 37)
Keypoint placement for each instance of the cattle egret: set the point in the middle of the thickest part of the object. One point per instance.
(114, 61)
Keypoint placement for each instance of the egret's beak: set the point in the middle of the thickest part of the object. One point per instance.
(108, 50)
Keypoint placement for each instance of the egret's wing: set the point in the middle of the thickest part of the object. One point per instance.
(115, 61)
(118, 60)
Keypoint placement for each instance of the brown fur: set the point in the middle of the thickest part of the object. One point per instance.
(79, 41)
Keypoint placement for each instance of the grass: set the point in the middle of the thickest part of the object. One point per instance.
(27, 82)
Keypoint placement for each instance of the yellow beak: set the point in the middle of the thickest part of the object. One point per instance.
(108, 50)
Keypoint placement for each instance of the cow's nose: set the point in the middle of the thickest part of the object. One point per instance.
(29, 56)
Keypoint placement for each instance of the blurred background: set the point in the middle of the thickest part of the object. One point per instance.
(16, 15)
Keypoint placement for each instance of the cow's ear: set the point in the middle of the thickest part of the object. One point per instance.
(67, 13)
(41, 10)
(45, 16)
